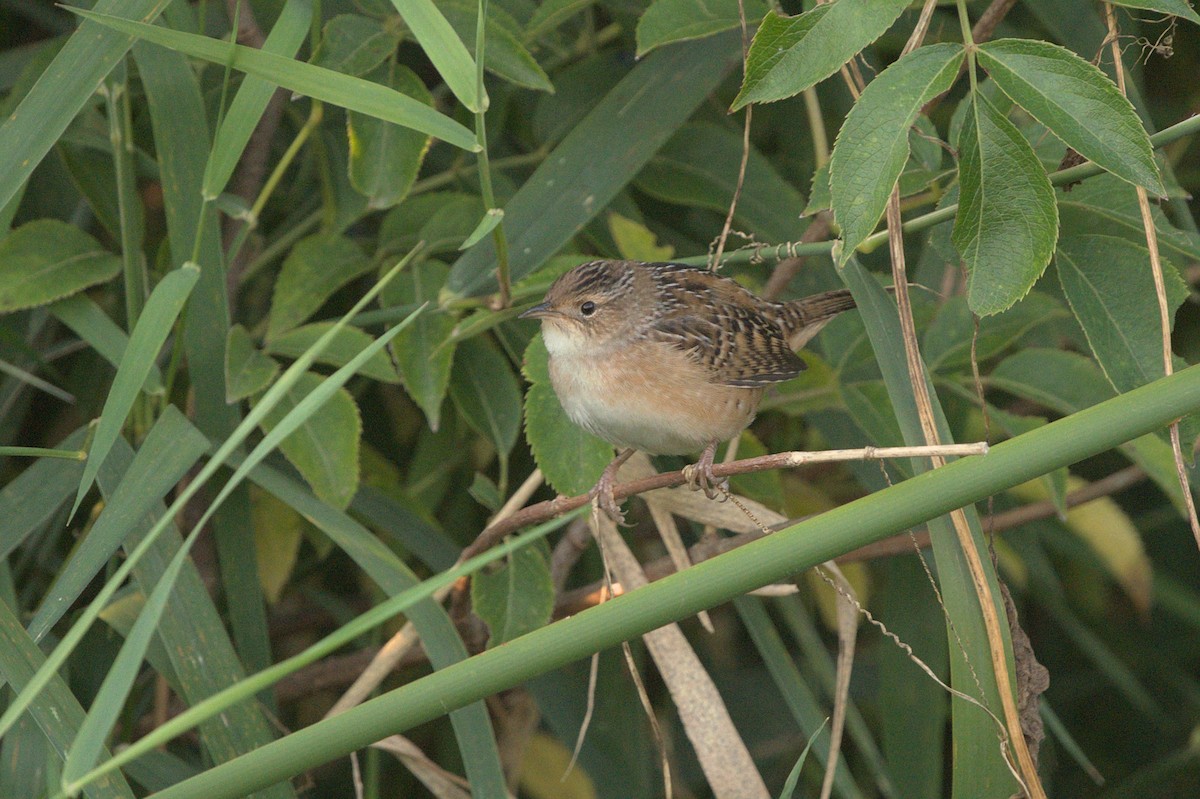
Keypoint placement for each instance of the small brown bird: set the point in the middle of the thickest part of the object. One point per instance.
(667, 358)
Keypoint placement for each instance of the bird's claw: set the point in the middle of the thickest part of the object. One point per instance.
(699, 476)
(603, 495)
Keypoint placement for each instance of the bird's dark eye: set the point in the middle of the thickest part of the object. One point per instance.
(588, 308)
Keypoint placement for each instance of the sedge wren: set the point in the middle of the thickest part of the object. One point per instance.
(669, 359)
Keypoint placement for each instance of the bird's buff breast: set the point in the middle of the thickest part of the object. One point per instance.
(649, 397)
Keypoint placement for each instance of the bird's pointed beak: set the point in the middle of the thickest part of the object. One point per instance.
(539, 311)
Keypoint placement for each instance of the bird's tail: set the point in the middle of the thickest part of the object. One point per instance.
(802, 319)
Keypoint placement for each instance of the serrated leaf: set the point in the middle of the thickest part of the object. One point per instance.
(1108, 283)
(316, 267)
(1077, 102)
(354, 45)
(699, 167)
(504, 55)
(349, 92)
(1007, 221)
(346, 343)
(516, 598)
(1106, 205)
(1177, 8)
(247, 371)
(46, 260)
(324, 448)
(422, 354)
(570, 458)
(637, 242)
(872, 147)
(667, 21)
(790, 54)
(385, 158)
(485, 392)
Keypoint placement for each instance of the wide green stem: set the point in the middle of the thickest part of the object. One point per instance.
(771, 559)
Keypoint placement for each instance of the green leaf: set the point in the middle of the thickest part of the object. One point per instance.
(872, 147)
(354, 94)
(247, 371)
(1077, 102)
(354, 45)
(636, 241)
(442, 220)
(70, 81)
(1108, 283)
(504, 55)
(491, 219)
(1007, 221)
(347, 343)
(1106, 205)
(88, 321)
(667, 21)
(248, 106)
(1067, 382)
(486, 393)
(598, 157)
(552, 13)
(1177, 8)
(172, 447)
(421, 352)
(570, 458)
(324, 449)
(699, 167)
(45, 260)
(516, 598)
(385, 158)
(316, 267)
(443, 47)
(790, 54)
(157, 319)
(946, 342)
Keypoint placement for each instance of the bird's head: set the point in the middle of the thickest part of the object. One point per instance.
(589, 307)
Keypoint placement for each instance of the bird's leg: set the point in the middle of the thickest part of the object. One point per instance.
(603, 490)
(700, 474)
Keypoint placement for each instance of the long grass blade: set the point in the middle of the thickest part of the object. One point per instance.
(158, 317)
(354, 94)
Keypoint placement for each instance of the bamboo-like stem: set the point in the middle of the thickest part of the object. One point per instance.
(713, 582)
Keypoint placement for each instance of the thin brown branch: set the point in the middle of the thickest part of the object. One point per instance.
(715, 264)
(544, 511)
(252, 167)
(574, 601)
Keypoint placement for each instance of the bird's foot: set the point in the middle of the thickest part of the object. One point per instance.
(603, 492)
(700, 477)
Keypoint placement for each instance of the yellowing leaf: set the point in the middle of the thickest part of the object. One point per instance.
(278, 531)
(636, 242)
(856, 574)
(542, 769)
(1111, 535)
